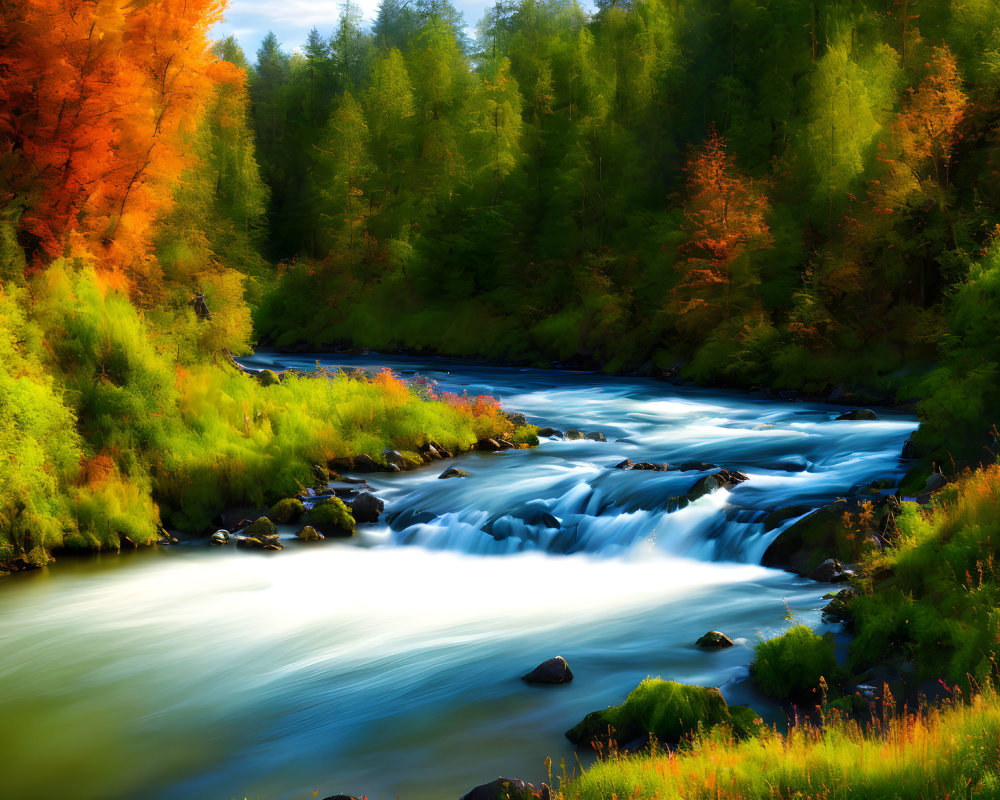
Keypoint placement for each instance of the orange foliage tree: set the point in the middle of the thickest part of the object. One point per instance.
(96, 99)
(725, 222)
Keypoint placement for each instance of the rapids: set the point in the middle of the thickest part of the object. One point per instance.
(389, 665)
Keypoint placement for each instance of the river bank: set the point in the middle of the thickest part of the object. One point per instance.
(390, 663)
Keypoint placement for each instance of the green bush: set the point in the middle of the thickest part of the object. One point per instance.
(790, 666)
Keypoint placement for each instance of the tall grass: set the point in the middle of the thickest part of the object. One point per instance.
(941, 753)
(115, 422)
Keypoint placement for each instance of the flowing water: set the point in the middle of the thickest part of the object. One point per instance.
(388, 665)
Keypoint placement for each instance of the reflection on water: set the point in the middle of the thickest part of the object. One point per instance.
(389, 665)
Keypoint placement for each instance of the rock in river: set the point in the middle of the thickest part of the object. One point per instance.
(366, 507)
(454, 472)
(309, 534)
(860, 413)
(831, 571)
(555, 670)
(714, 640)
(507, 789)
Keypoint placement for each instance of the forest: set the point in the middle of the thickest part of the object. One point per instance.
(797, 197)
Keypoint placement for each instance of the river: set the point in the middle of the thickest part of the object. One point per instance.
(389, 665)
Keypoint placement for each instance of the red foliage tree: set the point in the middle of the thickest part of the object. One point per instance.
(95, 99)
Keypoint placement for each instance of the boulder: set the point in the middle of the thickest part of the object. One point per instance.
(219, 537)
(366, 507)
(703, 486)
(331, 518)
(393, 458)
(365, 463)
(309, 534)
(626, 464)
(595, 436)
(650, 467)
(838, 609)
(714, 640)
(831, 571)
(859, 414)
(261, 542)
(804, 544)
(573, 434)
(287, 510)
(775, 518)
(453, 472)
(261, 527)
(519, 420)
(550, 432)
(507, 789)
(554, 670)
(267, 377)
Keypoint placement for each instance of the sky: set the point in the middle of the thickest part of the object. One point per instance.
(250, 20)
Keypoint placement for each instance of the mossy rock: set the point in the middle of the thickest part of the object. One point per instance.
(525, 434)
(806, 544)
(260, 528)
(287, 510)
(668, 710)
(309, 534)
(267, 377)
(331, 518)
(714, 640)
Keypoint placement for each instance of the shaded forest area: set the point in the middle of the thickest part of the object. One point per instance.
(791, 194)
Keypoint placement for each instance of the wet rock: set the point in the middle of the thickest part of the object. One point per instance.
(309, 534)
(393, 458)
(646, 466)
(573, 434)
(909, 449)
(365, 463)
(595, 436)
(710, 483)
(453, 472)
(366, 507)
(306, 493)
(859, 414)
(626, 464)
(507, 789)
(342, 464)
(838, 609)
(430, 453)
(935, 481)
(550, 521)
(550, 432)
(554, 670)
(287, 510)
(219, 537)
(519, 420)
(260, 542)
(831, 571)
(714, 640)
(804, 544)
(261, 527)
(267, 377)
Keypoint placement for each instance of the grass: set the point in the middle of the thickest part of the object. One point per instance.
(941, 753)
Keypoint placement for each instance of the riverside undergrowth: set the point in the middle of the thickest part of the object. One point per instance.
(116, 422)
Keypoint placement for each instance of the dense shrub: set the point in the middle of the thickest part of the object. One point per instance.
(792, 665)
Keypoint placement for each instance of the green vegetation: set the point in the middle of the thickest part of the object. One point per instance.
(797, 665)
(331, 518)
(932, 598)
(669, 711)
(940, 753)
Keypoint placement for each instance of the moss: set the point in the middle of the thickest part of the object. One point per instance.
(331, 518)
(792, 665)
(525, 434)
(287, 510)
(259, 528)
(668, 710)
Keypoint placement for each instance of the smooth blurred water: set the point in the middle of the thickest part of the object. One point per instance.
(389, 665)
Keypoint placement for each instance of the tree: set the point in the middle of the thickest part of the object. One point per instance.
(725, 223)
(495, 123)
